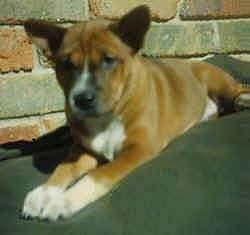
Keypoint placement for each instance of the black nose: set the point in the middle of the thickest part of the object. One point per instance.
(85, 99)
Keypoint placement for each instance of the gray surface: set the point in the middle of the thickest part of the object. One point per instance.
(199, 185)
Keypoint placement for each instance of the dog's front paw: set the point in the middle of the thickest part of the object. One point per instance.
(46, 202)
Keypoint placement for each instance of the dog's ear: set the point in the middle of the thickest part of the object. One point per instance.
(132, 27)
(45, 36)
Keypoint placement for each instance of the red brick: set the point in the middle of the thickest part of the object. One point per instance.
(29, 128)
(15, 50)
(114, 9)
(53, 121)
(19, 132)
(16, 11)
(202, 9)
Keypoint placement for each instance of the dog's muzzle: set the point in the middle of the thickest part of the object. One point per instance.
(85, 100)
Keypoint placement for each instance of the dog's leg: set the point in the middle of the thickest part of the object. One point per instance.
(38, 201)
(242, 101)
(96, 183)
(73, 167)
(101, 180)
(221, 85)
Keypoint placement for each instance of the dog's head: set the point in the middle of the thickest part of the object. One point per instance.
(92, 58)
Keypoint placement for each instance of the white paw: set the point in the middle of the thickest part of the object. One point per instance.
(46, 203)
(243, 101)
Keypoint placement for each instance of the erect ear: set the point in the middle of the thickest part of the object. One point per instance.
(133, 26)
(45, 36)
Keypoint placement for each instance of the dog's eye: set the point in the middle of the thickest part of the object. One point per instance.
(66, 63)
(108, 61)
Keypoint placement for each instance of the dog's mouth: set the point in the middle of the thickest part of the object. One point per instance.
(87, 118)
(80, 109)
(84, 106)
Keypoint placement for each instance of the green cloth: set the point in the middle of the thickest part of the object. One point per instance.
(199, 185)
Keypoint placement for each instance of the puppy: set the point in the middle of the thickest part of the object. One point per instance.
(120, 106)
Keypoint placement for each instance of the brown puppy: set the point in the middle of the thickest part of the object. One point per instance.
(119, 105)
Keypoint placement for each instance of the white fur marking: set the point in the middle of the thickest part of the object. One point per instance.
(82, 79)
(51, 202)
(211, 110)
(85, 74)
(45, 202)
(80, 84)
(109, 141)
(243, 100)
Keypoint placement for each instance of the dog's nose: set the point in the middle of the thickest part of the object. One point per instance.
(85, 99)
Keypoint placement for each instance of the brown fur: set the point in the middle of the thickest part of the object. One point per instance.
(156, 101)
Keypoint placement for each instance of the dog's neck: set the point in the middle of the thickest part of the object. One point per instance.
(136, 84)
(135, 75)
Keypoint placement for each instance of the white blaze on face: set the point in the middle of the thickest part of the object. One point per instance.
(85, 75)
(81, 83)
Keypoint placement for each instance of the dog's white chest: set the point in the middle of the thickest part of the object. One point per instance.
(110, 140)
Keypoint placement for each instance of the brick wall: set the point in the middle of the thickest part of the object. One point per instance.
(31, 103)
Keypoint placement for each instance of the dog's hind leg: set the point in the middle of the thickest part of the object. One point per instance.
(221, 85)
(242, 101)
